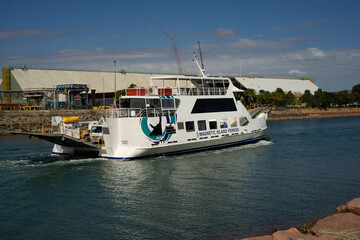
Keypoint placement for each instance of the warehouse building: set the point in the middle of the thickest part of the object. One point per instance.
(103, 83)
(296, 85)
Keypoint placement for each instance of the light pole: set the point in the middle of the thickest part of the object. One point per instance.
(115, 80)
(114, 104)
(103, 93)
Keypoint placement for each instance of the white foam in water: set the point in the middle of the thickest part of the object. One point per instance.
(246, 146)
(53, 161)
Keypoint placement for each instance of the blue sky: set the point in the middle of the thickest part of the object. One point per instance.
(316, 39)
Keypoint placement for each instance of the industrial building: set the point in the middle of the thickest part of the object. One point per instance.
(42, 82)
(296, 85)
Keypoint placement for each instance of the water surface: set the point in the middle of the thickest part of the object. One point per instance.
(304, 170)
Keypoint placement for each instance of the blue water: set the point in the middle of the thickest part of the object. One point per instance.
(303, 171)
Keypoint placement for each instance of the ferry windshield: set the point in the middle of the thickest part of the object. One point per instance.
(132, 103)
(166, 103)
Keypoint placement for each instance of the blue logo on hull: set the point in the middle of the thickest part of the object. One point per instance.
(155, 132)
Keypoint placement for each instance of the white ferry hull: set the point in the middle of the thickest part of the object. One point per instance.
(187, 147)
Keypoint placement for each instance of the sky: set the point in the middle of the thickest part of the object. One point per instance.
(293, 38)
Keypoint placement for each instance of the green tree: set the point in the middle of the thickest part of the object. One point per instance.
(278, 97)
(318, 98)
(290, 98)
(344, 98)
(249, 96)
(356, 92)
(307, 98)
(265, 97)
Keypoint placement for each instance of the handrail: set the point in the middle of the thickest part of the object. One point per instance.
(139, 112)
(200, 91)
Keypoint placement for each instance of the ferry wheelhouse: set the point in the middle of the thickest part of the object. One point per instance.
(180, 114)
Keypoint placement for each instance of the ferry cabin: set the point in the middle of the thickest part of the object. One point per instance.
(198, 113)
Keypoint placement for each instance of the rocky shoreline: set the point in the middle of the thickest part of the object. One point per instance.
(343, 225)
(43, 116)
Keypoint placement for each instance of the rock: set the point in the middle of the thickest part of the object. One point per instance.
(292, 233)
(305, 228)
(354, 206)
(337, 224)
(342, 209)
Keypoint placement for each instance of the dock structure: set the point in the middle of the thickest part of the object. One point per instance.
(62, 135)
(64, 140)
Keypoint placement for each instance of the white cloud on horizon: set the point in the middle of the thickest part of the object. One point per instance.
(297, 72)
(223, 32)
(276, 44)
(316, 52)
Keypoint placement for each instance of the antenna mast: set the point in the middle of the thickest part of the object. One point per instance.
(173, 46)
(202, 62)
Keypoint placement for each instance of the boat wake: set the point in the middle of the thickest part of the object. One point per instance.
(44, 160)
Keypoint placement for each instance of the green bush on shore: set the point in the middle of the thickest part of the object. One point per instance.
(320, 98)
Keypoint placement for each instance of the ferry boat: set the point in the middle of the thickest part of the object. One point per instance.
(181, 114)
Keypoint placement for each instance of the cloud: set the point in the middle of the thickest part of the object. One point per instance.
(276, 44)
(315, 52)
(223, 32)
(30, 33)
(297, 72)
(317, 21)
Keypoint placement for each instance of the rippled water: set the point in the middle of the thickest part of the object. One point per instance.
(304, 170)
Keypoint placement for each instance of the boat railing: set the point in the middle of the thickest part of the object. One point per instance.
(139, 112)
(201, 91)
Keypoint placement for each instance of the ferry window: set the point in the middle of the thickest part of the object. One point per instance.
(202, 125)
(223, 123)
(233, 122)
(177, 102)
(219, 83)
(180, 125)
(167, 103)
(238, 95)
(214, 105)
(153, 103)
(125, 103)
(213, 124)
(209, 83)
(137, 103)
(244, 121)
(197, 82)
(190, 126)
